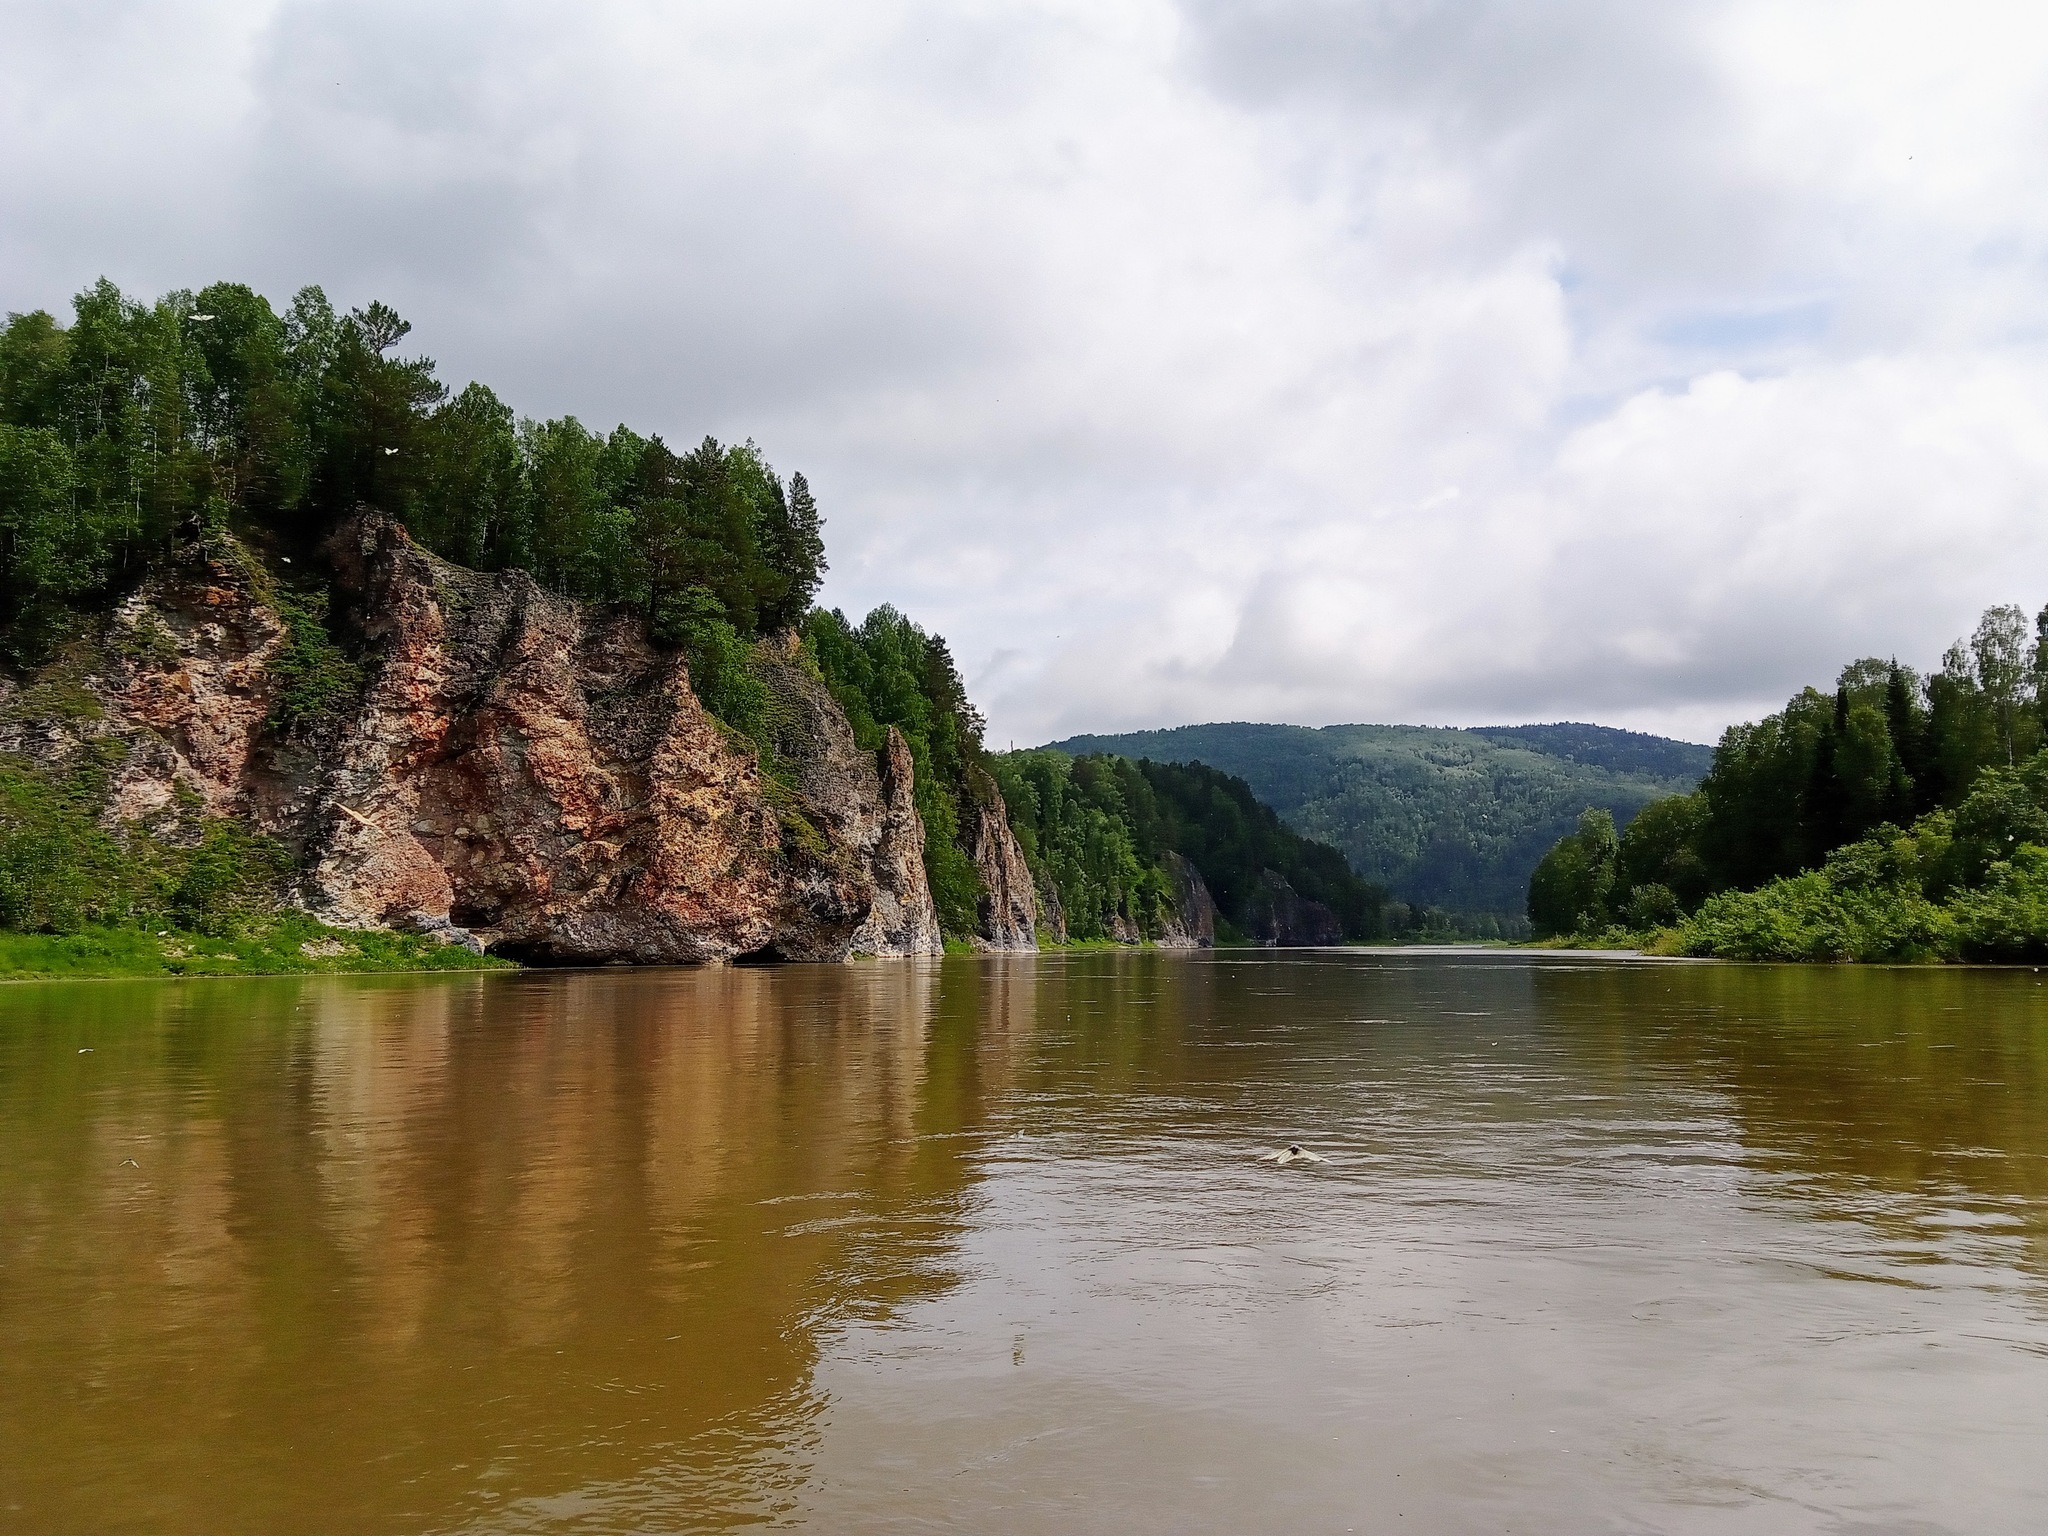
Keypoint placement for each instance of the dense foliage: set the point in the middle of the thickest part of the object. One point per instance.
(137, 424)
(1448, 820)
(1089, 828)
(886, 671)
(1792, 846)
(1096, 830)
(1968, 884)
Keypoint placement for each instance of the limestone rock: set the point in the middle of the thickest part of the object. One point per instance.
(436, 927)
(903, 920)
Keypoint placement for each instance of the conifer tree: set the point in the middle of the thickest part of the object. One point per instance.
(793, 545)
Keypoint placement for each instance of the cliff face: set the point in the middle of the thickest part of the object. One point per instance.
(1052, 916)
(903, 920)
(1009, 902)
(1193, 924)
(515, 773)
(550, 783)
(1277, 914)
(174, 699)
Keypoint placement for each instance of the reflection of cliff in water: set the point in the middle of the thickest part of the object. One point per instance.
(416, 1254)
(1907, 1098)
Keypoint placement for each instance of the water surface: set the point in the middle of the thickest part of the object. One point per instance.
(982, 1245)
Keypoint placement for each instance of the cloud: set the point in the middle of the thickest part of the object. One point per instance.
(1279, 359)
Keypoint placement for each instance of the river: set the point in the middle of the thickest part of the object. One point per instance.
(983, 1245)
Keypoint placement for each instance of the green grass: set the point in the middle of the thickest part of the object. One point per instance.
(276, 948)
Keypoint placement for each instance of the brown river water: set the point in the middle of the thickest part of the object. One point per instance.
(983, 1245)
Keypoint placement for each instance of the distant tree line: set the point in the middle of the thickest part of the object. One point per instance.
(1450, 821)
(1095, 831)
(1931, 778)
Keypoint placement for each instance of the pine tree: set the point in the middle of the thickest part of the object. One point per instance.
(795, 550)
(1906, 719)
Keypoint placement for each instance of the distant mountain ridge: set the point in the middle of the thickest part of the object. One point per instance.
(1606, 746)
(1442, 817)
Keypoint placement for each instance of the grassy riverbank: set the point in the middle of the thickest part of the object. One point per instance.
(286, 946)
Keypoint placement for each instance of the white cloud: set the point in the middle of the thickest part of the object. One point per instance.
(1283, 360)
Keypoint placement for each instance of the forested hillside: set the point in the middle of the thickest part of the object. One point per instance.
(1451, 819)
(1895, 817)
(1096, 831)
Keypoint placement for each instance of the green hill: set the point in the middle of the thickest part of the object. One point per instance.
(1455, 819)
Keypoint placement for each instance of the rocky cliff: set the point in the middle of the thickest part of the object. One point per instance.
(1277, 914)
(1193, 924)
(1009, 902)
(510, 770)
(1052, 915)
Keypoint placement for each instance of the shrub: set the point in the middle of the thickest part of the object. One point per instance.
(1651, 906)
(316, 679)
(229, 877)
(2007, 920)
(1809, 917)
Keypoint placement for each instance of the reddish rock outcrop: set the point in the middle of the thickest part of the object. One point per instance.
(517, 772)
(549, 782)
(179, 682)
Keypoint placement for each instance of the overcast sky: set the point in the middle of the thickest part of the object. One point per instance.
(1230, 359)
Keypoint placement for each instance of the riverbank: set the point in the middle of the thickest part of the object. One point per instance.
(285, 947)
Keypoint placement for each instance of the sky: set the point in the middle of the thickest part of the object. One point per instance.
(1181, 360)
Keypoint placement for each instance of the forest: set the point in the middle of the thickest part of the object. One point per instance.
(1895, 817)
(138, 428)
(1095, 830)
(1451, 822)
